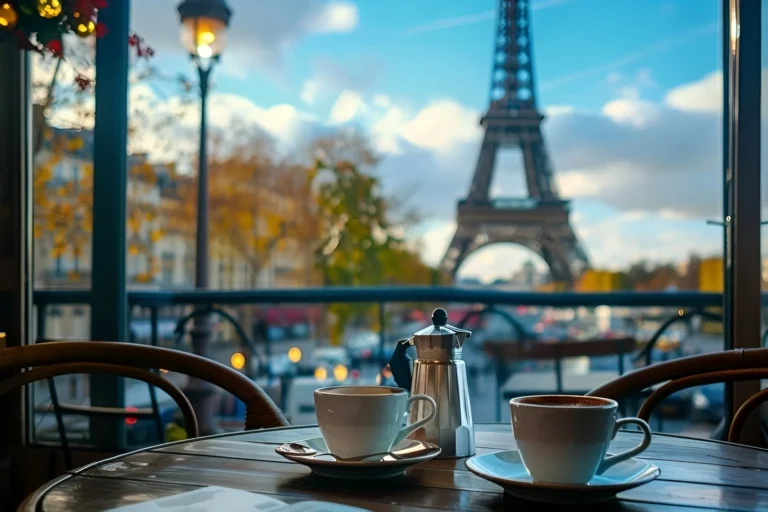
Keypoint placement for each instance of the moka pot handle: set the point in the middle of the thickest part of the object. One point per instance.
(400, 365)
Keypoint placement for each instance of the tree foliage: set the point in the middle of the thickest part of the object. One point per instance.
(647, 276)
(63, 214)
(361, 242)
(257, 207)
(63, 115)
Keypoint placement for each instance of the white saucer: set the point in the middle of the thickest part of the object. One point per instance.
(506, 469)
(313, 453)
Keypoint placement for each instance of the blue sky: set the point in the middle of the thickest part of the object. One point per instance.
(573, 41)
(630, 86)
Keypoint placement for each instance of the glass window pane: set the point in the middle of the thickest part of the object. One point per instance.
(62, 148)
(345, 148)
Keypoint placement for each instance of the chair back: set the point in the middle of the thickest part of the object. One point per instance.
(685, 372)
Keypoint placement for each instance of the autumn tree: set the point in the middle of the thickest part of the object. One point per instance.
(63, 114)
(690, 279)
(63, 214)
(360, 240)
(63, 193)
(303, 230)
(258, 204)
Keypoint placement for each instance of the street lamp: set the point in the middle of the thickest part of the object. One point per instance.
(203, 29)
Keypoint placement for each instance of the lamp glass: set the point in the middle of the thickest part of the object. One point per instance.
(203, 36)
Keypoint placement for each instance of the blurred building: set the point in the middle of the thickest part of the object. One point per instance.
(160, 236)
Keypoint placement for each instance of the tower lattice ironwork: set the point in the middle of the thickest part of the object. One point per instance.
(540, 221)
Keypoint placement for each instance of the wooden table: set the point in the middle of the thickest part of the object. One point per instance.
(695, 475)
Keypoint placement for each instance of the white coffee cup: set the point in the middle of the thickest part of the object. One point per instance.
(563, 439)
(356, 421)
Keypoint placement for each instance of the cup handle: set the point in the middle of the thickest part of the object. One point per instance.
(615, 459)
(408, 429)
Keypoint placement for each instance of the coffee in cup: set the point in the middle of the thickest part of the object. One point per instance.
(563, 439)
(356, 421)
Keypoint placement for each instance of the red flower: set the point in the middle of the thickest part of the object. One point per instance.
(88, 6)
(101, 29)
(55, 47)
(142, 50)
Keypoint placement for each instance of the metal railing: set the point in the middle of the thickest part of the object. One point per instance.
(689, 303)
(680, 306)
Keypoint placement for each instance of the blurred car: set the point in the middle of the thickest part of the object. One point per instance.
(363, 346)
(327, 358)
(275, 333)
(279, 364)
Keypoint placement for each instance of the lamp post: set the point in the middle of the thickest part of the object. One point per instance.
(203, 29)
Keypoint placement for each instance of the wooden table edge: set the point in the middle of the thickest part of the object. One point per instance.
(87, 467)
(32, 502)
(82, 469)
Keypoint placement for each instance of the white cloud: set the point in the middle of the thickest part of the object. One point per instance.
(179, 139)
(705, 95)
(635, 112)
(653, 167)
(309, 91)
(644, 78)
(348, 105)
(557, 110)
(616, 241)
(386, 130)
(441, 126)
(336, 17)
(381, 101)
(578, 183)
(614, 77)
(637, 155)
(329, 78)
(283, 121)
(433, 239)
(261, 33)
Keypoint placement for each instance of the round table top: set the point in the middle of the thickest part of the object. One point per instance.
(695, 475)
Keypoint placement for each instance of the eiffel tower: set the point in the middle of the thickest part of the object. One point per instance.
(539, 222)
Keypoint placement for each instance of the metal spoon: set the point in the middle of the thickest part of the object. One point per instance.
(300, 449)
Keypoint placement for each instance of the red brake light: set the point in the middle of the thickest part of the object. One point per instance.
(131, 420)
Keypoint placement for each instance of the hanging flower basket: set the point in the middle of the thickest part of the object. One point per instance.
(40, 25)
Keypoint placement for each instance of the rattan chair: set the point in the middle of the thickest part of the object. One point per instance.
(699, 370)
(129, 360)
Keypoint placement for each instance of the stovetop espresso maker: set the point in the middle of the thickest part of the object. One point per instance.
(439, 372)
